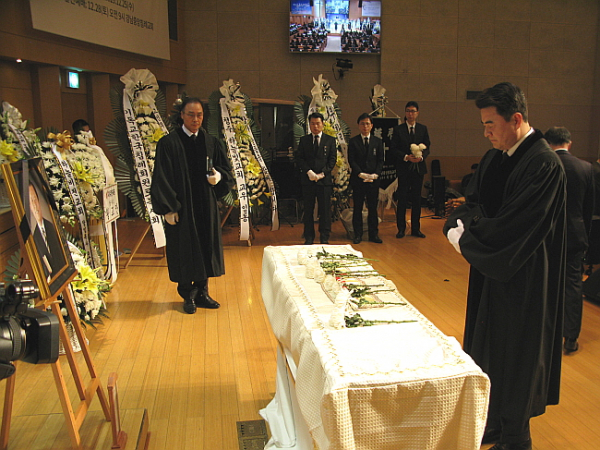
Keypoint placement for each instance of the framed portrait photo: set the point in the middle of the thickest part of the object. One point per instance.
(37, 225)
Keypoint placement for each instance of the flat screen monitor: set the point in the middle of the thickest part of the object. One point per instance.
(335, 26)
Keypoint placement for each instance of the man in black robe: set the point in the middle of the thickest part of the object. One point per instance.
(191, 171)
(512, 231)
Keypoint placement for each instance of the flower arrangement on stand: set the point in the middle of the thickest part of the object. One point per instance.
(323, 101)
(230, 119)
(240, 109)
(88, 291)
(146, 126)
(17, 140)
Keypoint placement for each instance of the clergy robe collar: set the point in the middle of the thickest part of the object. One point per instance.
(511, 151)
(188, 132)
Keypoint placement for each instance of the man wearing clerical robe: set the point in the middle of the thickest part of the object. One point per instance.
(512, 231)
(191, 172)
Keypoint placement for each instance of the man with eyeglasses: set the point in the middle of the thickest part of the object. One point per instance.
(191, 172)
(410, 168)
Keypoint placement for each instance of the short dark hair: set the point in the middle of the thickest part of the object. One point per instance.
(364, 116)
(558, 136)
(78, 126)
(186, 101)
(507, 98)
(316, 115)
(412, 103)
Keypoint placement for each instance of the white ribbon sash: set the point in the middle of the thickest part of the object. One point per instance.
(141, 165)
(77, 203)
(21, 137)
(238, 171)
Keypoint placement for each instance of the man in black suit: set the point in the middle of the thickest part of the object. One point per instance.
(47, 242)
(580, 206)
(316, 157)
(410, 169)
(365, 155)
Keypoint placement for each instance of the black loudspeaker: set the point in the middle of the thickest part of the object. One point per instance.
(591, 287)
(360, 3)
(436, 169)
(438, 186)
(312, 3)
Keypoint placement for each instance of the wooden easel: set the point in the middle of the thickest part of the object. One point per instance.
(74, 418)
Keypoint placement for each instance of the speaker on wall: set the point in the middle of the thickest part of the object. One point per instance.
(360, 3)
(312, 3)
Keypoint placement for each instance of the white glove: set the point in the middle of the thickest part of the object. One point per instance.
(454, 235)
(214, 177)
(311, 175)
(172, 218)
(320, 176)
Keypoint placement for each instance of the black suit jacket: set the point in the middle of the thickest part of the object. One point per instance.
(365, 160)
(50, 250)
(400, 146)
(580, 200)
(321, 161)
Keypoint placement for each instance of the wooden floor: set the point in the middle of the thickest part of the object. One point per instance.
(197, 375)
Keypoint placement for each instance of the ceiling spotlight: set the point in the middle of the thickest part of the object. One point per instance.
(19, 60)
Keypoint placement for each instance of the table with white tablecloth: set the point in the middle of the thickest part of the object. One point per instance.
(389, 386)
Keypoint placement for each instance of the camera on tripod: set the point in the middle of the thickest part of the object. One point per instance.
(26, 334)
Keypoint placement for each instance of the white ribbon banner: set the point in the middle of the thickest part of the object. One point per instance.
(238, 170)
(268, 179)
(77, 203)
(143, 171)
(20, 136)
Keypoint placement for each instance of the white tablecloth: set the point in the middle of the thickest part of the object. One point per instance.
(392, 386)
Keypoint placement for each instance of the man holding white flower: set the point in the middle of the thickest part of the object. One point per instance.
(410, 168)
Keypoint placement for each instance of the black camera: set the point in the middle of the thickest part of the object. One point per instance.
(26, 334)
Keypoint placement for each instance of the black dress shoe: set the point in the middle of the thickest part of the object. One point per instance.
(418, 234)
(189, 305)
(324, 240)
(376, 239)
(525, 445)
(308, 242)
(357, 240)
(491, 436)
(204, 301)
(571, 345)
(400, 235)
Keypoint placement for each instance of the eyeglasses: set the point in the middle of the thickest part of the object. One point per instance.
(192, 115)
(411, 110)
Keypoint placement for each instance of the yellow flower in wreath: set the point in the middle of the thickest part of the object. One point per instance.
(82, 173)
(9, 151)
(86, 280)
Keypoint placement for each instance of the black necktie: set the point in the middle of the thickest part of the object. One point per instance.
(367, 143)
(193, 136)
(412, 134)
(316, 143)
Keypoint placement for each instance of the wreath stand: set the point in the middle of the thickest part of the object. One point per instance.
(74, 418)
(137, 244)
